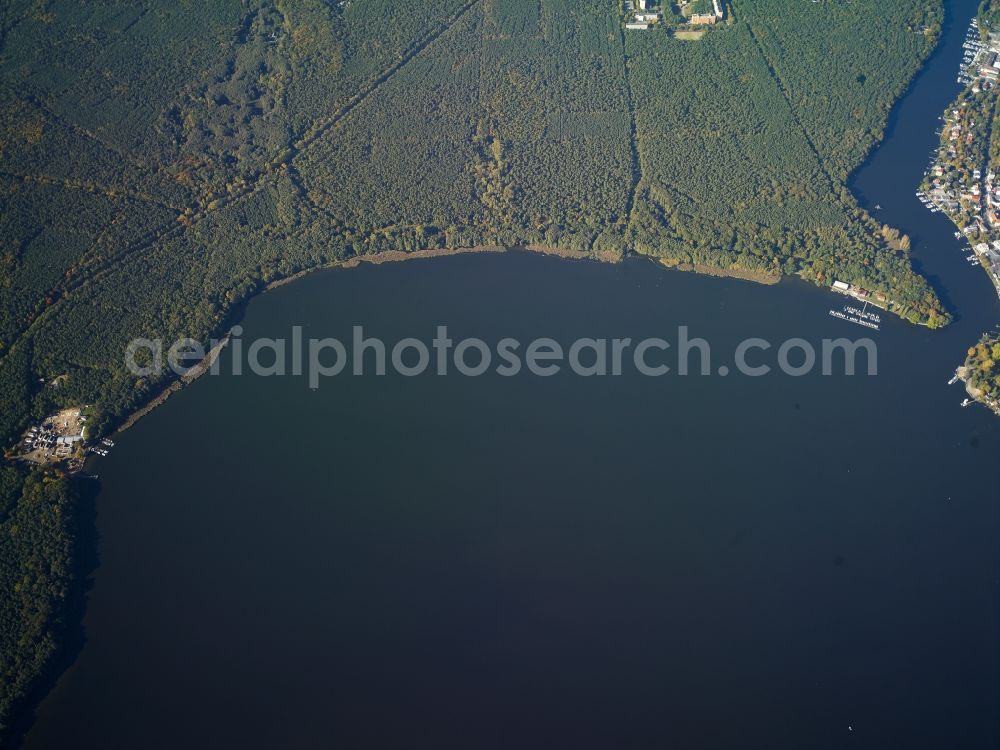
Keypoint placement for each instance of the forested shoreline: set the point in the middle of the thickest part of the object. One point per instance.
(38, 568)
(261, 139)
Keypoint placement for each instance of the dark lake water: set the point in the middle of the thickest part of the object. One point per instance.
(630, 562)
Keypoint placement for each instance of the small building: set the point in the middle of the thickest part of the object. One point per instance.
(637, 25)
(704, 19)
(841, 286)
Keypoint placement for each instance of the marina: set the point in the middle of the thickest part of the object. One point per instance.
(60, 440)
(858, 317)
(852, 314)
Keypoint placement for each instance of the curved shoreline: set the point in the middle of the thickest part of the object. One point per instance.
(392, 256)
(199, 369)
(396, 256)
(237, 312)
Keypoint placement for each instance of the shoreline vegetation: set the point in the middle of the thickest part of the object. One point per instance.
(39, 577)
(759, 277)
(203, 365)
(176, 383)
(160, 213)
(758, 220)
(192, 374)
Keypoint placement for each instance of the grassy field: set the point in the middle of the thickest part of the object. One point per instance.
(686, 35)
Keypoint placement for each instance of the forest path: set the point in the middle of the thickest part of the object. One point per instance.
(833, 184)
(633, 134)
(173, 228)
(86, 187)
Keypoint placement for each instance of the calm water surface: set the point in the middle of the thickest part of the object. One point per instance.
(565, 562)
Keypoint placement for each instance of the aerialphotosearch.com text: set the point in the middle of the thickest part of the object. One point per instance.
(320, 358)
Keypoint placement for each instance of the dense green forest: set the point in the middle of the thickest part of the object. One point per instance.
(36, 571)
(757, 197)
(841, 74)
(161, 162)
